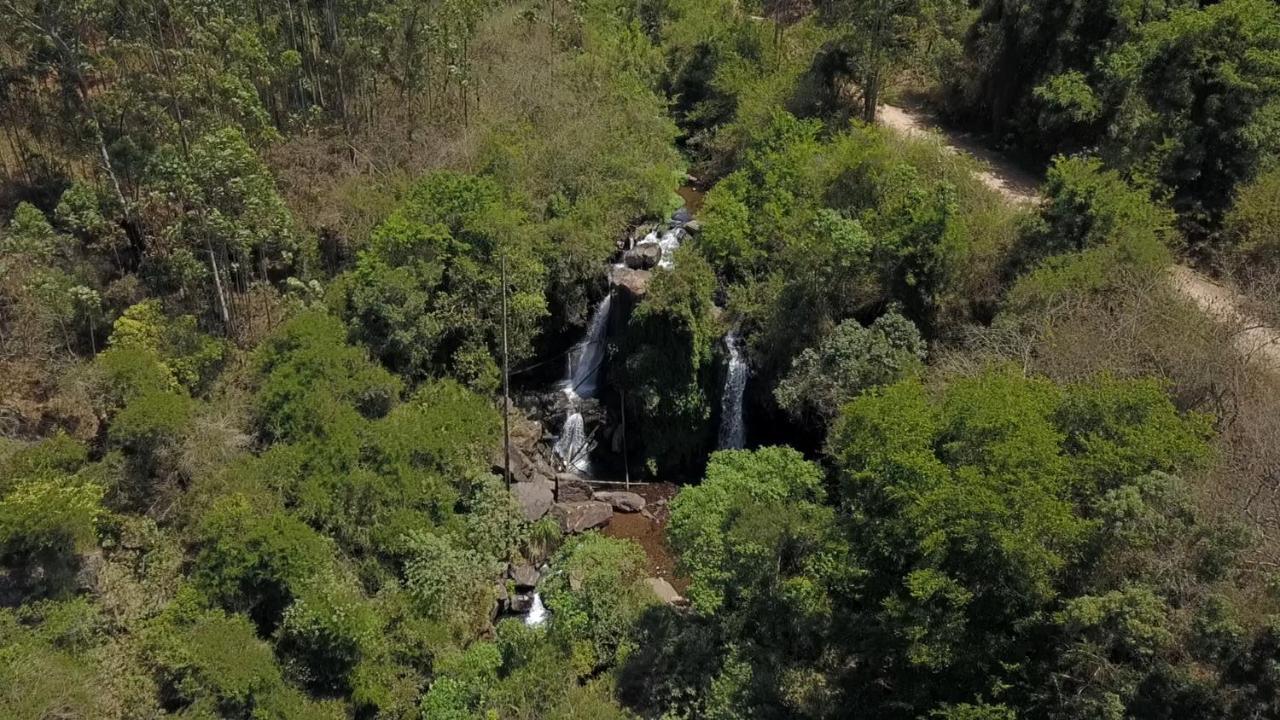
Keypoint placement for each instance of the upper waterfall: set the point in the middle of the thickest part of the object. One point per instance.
(732, 427)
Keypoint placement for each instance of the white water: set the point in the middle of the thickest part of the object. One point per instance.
(581, 377)
(669, 242)
(732, 429)
(537, 613)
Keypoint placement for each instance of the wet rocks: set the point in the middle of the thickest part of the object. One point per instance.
(642, 257)
(581, 516)
(622, 501)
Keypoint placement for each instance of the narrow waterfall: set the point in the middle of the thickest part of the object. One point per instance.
(583, 373)
(537, 612)
(732, 429)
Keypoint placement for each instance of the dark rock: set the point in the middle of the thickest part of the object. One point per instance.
(572, 488)
(521, 602)
(682, 216)
(535, 498)
(577, 517)
(523, 576)
(622, 501)
(642, 257)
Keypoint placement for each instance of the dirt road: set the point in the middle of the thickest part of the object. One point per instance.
(1252, 338)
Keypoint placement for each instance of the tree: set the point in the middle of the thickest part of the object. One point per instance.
(50, 505)
(878, 37)
(852, 359)
(425, 295)
(1197, 108)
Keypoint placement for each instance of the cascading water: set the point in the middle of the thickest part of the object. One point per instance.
(668, 243)
(732, 428)
(573, 446)
(537, 612)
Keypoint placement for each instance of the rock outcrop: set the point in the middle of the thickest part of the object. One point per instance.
(581, 516)
(664, 591)
(622, 501)
(633, 283)
(535, 498)
(572, 488)
(642, 257)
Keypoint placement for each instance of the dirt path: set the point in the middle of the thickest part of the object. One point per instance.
(998, 173)
(1253, 338)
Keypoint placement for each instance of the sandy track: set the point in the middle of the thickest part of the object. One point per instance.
(1252, 338)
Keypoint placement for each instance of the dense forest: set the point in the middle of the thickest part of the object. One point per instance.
(664, 359)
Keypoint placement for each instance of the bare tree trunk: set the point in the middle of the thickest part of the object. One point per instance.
(217, 283)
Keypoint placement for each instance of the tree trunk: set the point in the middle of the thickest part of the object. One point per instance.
(217, 283)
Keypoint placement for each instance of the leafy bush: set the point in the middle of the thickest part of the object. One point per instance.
(850, 360)
(425, 296)
(595, 596)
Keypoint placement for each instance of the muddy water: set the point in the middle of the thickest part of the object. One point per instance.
(692, 197)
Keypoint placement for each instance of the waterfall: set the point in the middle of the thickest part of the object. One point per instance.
(537, 613)
(668, 242)
(587, 356)
(732, 429)
(571, 447)
(581, 377)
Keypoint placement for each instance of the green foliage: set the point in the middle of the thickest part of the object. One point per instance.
(701, 517)
(218, 197)
(426, 295)
(310, 377)
(852, 359)
(51, 296)
(451, 584)
(596, 595)
(57, 659)
(1093, 232)
(50, 503)
(669, 340)
(1197, 108)
(213, 665)
(989, 485)
(1253, 223)
(256, 560)
(1176, 94)
(190, 357)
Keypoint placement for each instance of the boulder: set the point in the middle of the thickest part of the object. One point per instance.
(521, 602)
(635, 283)
(693, 227)
(682, 216)
(642, 257)
(523, 576)
(581, 516)
(664, 591)
(572, 488)
(535, 498)
(622, 501)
